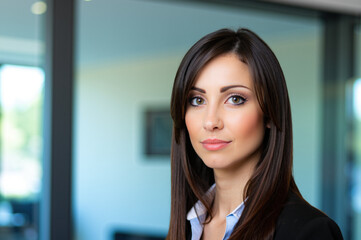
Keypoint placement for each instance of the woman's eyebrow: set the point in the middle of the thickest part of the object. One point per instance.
(198, 89)
(223, 89)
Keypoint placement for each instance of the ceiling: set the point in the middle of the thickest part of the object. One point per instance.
(343, 6)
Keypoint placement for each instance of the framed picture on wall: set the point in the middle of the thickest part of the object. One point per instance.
(158, 132)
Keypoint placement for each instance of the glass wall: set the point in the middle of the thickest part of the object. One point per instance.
(127, 54)
(21, 100)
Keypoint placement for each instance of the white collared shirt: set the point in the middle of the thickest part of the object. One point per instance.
(197, 223)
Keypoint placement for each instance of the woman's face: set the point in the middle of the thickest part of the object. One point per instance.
(223, 117)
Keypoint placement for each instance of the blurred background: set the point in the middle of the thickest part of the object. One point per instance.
(85, 155)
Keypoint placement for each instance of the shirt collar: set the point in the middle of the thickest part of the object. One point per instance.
(201, 209)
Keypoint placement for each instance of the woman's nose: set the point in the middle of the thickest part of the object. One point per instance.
(212, 120)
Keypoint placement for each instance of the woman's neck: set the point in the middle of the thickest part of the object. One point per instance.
(230, 186)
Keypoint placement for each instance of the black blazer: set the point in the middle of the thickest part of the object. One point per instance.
(300, 221)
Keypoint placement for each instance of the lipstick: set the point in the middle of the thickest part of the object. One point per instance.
(214, 144)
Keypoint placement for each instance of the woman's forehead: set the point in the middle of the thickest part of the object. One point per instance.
(223, 71)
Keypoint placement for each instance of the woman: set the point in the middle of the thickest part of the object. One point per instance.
(232, 147)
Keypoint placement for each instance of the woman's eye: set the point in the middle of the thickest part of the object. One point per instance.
(196, 101)
(236, 100)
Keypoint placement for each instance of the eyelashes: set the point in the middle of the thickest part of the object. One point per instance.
(196, 101)
(234, 99)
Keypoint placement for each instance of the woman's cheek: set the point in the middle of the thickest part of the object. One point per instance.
(192, 123)
(247, 125)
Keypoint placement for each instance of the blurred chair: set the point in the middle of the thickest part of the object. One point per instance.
(134, 236)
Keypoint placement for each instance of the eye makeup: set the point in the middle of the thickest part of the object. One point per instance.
(236, 99)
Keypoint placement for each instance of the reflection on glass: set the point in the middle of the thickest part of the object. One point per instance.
(20, 150)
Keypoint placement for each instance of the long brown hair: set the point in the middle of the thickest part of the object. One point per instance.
(272, 180)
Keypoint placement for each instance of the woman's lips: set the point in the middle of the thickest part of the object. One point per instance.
(214, 144)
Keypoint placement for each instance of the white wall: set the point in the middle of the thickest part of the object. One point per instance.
(116, 185)
(300, 58)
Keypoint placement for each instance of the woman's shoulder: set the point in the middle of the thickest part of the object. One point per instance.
(300, 220)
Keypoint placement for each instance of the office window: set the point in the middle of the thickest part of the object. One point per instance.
(21, 101)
